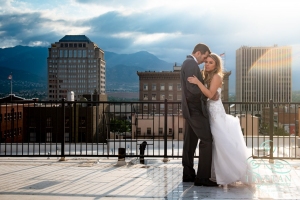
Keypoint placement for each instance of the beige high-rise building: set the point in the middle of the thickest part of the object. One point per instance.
(77, 64)
(263, 73)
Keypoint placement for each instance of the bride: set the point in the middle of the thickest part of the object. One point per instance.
(229, 158)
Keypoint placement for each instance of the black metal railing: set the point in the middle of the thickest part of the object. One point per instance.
(100, 128)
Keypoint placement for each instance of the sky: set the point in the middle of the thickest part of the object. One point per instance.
(169, 29)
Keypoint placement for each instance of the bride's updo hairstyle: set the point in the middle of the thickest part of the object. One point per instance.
(207, 76)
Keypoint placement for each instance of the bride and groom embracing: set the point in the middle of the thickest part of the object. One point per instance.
(222, 149)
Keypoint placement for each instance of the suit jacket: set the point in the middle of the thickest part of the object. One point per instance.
(191, 93)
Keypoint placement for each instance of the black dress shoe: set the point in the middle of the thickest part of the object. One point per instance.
(188, 178)
(205, 182)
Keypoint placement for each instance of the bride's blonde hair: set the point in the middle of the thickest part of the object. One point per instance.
(207, 76)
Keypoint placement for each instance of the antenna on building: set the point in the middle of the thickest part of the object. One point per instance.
(10, 78)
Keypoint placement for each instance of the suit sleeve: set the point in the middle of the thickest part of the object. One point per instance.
(190, 70)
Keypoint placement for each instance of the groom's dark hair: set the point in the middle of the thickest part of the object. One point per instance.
(202, 48)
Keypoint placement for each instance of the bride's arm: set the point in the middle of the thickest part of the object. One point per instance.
(214, 85)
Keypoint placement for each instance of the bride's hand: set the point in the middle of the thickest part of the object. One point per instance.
(193, 79)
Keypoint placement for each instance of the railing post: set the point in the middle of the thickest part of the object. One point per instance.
(165, 132)
(63, 132)
(271, 128)
(142, 152)
(121, 156)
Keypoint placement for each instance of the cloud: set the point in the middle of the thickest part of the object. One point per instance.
(9, 42)
(169, 29)
(38, 43)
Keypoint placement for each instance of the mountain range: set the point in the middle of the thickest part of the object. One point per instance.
(28, 65)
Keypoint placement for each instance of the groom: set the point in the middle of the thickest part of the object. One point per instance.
(196, 121)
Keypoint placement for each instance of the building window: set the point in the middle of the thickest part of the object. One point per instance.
(145, 106)
(162, 97)
(65, 53)
(145, 87)
(162, 106)
(49, 137)
(178, 96)
(179, 130)
(170, 97)
(67, 137)
(170, 131)
(160, 131)
(75, 53)
(66, 44)
(178, 86)
(170, 86)
(145, 97)
(32, 137)
(49, 122)
(153, 86)
(162, 86)
(79, 53)
(153, 96)
(84, 53)
(154, 107)
(70, 53)
(138, 131)
(148, 131)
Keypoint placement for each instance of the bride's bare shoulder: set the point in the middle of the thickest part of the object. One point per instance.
(217, 77)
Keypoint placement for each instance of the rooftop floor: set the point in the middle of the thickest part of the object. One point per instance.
(101, 178)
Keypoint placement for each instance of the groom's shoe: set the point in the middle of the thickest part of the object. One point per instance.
(188, 178)
(204, 182)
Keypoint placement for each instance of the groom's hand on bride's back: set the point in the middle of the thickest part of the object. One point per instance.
(216, 96)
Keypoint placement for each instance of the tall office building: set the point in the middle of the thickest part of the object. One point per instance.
(263, 73)
(77, 64)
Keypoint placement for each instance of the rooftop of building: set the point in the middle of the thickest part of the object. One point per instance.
(100, 178)
(75, 38)
(13, 97)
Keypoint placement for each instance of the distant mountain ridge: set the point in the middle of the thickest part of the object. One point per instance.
(30, 64)
(30, 59)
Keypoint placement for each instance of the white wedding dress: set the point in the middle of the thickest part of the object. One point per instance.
(229, 160)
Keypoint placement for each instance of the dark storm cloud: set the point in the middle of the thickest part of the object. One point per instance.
(26, 28)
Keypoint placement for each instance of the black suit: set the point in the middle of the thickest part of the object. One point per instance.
(196, 123)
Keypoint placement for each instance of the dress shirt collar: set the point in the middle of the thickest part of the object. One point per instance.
(195, 59)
